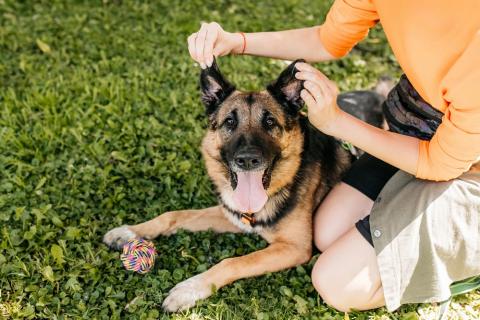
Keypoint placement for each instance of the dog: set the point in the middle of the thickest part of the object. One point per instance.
(271, 169)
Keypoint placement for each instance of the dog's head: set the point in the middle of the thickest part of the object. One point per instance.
(254, 143)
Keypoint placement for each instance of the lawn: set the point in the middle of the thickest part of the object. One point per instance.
(100, 124)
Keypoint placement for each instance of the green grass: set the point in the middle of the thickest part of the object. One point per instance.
(100, 124)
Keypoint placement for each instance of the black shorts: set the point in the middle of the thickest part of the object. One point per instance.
(368, 175)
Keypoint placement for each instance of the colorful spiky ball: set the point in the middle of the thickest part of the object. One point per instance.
(138, 255)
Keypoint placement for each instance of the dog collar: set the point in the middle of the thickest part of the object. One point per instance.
(246, 217)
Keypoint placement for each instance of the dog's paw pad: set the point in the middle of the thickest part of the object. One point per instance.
(185, 294)
(117, 237)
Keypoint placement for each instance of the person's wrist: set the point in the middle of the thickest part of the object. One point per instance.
(238, 42)
(334, 126)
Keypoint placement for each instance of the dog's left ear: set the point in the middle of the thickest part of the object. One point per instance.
(215, 88)
(286, 89)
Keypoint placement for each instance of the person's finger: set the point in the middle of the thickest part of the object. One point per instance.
(304, 75)
(211, 37)
(316, 78)
(315, 91)
(302, 66)
(309, 76)
(200, 43)
(191, 45)
(321, 91)
(307, 97)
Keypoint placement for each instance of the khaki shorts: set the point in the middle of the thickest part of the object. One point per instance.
(426, 235)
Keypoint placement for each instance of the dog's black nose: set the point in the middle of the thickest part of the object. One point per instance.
(249, 160)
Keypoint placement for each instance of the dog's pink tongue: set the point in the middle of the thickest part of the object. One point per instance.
(250, 196)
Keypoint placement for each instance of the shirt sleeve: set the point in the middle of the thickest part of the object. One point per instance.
(456, 144)
(347, 23)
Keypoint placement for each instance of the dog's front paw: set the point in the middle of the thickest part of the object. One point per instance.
(186, 293)
(117, 237)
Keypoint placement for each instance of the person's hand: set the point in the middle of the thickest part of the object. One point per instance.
(211, 40)
(320, 95)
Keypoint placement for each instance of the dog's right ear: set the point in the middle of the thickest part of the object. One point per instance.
(215, 88)
(286, 89)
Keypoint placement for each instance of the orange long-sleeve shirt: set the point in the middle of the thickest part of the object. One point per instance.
(437, 44)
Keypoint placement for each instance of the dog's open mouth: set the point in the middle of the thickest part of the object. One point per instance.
(249, 189)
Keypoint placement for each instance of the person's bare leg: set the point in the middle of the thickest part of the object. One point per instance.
(346, 275)
(338, 213)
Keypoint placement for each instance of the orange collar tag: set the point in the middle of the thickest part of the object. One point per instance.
(248, 218)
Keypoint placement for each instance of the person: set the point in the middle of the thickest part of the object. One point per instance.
(405, 221)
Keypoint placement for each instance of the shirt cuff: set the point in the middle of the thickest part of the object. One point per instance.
(337, 51)
(422, 164)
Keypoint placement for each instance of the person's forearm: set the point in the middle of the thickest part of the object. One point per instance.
(321, 96)
(398, 150)
(288, 45)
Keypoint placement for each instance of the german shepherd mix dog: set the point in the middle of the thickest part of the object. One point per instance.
(271, 169)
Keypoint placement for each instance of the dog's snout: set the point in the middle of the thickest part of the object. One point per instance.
(249, 159)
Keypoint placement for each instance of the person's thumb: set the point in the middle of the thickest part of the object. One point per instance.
(221, 49)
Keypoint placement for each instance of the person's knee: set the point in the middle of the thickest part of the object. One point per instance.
(323, 280)
(346, 274)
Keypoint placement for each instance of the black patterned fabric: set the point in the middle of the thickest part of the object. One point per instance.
(407, 113)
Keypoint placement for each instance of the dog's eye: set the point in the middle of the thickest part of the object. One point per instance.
(230, 123)
(269, 122)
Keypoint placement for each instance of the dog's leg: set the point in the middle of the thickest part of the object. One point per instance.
(169, 222)
(278, 256)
